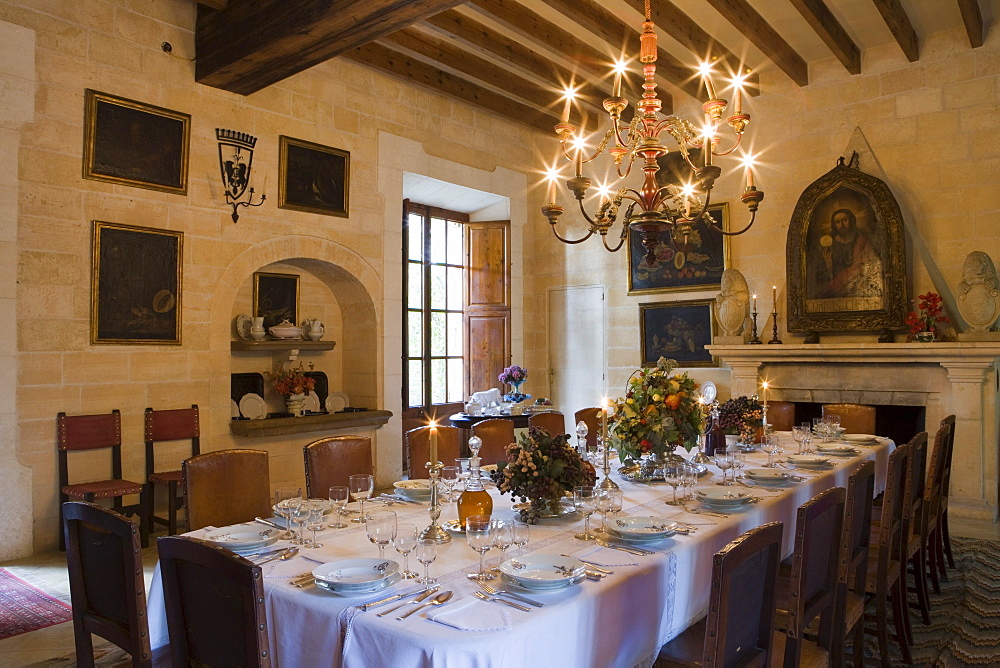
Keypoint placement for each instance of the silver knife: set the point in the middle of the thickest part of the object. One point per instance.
(518, 597)
(291, 552)
(270, 523)
(390, 599)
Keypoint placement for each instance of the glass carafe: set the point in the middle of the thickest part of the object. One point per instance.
(475, 500)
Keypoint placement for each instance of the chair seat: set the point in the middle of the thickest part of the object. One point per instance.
(102, 489)
(854, 608)
(165, 477)
(686, 649)
(811, 655)
(871, 586)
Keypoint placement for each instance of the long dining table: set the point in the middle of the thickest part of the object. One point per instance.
(620, 620)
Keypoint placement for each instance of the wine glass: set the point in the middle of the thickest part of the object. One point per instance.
(738, 460)
(297, 511)
(617, 501)
(404, 542)
(281, 497)
(449, 477)
(381, 529)
(807, 436)
(724, 462)
(464, 471)
(479, 533)
(673, 476)
(522, 532)
(690, 479)
(503, 538)
(362, 485)
(771, 447)
(339, 496)
(314, 518)
(427, 552)
(583, 500)
(602, 502)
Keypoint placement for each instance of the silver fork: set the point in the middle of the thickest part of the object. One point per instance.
(497, 599)
(490, 589)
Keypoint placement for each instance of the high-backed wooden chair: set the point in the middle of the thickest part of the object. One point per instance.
(740, 621)
(553, 422)
(811, 590)
(915, 529)
(945, 493)
(854, 418)
(885, 582)
(592, 418)
(105, 581)
(215, 605)
(496, 434)
(333, 460)
(781, 415)
(853, 573)
(418, 448)
(170, 425)
(933, 501)
(97, 432)
(226, 487)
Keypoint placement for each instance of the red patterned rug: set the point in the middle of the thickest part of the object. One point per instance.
(26, 608)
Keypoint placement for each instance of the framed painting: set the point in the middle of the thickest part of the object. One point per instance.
(275, 297)
(678, 331)
(697, 265)
(846, 257)
(135, 144)
(135, 293)
(313, 177)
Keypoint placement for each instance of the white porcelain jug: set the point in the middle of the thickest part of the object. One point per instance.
(313, 329)
(257, 331)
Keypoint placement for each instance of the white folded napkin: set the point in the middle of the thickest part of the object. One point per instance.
(605, 556)
(486, 397)
(472, 615)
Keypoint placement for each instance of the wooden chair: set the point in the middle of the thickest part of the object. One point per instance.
(226, 487)
(915, 529)
(740, 622)
(885, 583)
(215, 605)
(933, 500)
(418, 448)
(496, 434)
(810, 592)
(97, 432)
(853, 573)
(781, 415)
(105, 581)
(854, 418)
(553, 422)
(592, 418)
(333, 460)
(171, 425)
(945, 493)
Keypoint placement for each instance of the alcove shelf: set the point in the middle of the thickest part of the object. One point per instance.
(281, 344)
(298, 425)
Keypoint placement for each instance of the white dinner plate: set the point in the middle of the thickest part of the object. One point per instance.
(770, 476)
(337, 401)
(638, 539)
(542, 570)
(721, 496)
(311, 402)
(860, 438)
(838, 450)
(241, 536)
(643, 528)
(255, 549)
(418, 488)
(528, 586)
(378, 586)
(252, 406)
(355, 573)
(809, 461)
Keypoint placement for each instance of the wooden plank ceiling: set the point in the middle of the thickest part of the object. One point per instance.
(513, 57)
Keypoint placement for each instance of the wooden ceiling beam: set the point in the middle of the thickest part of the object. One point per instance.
(826, 25)
(972, 16)
(386, 59)
(214, 4)
(899, 25)
(252, 44)
(764, 37)
(694, 38)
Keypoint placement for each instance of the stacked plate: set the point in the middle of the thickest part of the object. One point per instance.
(771, 476)
(724, 498)
(642, 528)
(353, 577)
(837, 449)
(809, 461)
(242, 538)
(415, 490)
(861, 439)
(543, 572)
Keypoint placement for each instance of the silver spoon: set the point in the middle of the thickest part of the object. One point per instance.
(418, 599)
(292, 551)
(443, 597)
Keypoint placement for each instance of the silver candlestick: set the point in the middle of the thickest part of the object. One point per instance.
(607, 483)
(435, 531)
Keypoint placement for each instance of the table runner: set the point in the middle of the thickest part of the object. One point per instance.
(620, 621)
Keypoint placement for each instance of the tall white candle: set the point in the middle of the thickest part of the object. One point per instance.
(434, 442)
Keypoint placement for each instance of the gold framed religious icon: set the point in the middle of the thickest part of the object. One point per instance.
(846, 257)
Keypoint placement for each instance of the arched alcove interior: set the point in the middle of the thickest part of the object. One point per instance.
(333, 295)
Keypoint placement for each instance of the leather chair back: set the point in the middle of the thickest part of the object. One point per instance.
(180, 424)
(946, 477)
(226, 487)
(418, 448)
(497, 434)
(781, 415)
(855, 418)
(333, 460)
(592, 418)
(915, 520)
(105, 581)
(215, 605)
(935, 476)
(553, 422)
(893, 507)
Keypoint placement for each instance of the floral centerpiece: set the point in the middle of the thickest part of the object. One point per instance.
(924, 323)
(741, 415)
(290, 382)
(659, 411)
(514, 375)
(541, 469)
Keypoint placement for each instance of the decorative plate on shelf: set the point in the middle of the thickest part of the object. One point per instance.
(252, 406)
(243, 325)
(311, 402)
(337, 401)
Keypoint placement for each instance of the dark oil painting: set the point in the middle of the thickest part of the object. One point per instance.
(275, 297)
(313, 177)
(678, 331)
(696, 265)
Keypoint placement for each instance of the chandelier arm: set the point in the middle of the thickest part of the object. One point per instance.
(572, 241)
(753, 217)
(628, 169)
(739, 140)
(621, 242)
(701, 214)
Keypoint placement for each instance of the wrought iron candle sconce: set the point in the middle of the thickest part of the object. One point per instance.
(235, 162)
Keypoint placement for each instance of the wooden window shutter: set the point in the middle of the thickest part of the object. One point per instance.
(487, 310)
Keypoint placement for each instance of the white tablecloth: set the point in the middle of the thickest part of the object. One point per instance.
(620, 621)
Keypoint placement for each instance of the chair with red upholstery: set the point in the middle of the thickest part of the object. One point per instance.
(496, 434)
(333, 460)
(553, 422)
(180, 424)
(97, 432)
(418, 448)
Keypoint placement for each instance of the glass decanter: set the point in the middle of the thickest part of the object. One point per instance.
(475, 500)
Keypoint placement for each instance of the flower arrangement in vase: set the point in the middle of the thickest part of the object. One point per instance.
(659, 411)
(541, 469)
(514, 375)
(292, 381)
(741, 415)
(924, 322)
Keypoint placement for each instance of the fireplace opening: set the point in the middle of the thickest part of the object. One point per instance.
(900, 423)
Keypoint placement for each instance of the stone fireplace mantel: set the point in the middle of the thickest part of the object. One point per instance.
(944, 378)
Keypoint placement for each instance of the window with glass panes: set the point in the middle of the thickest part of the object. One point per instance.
(433, 241)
